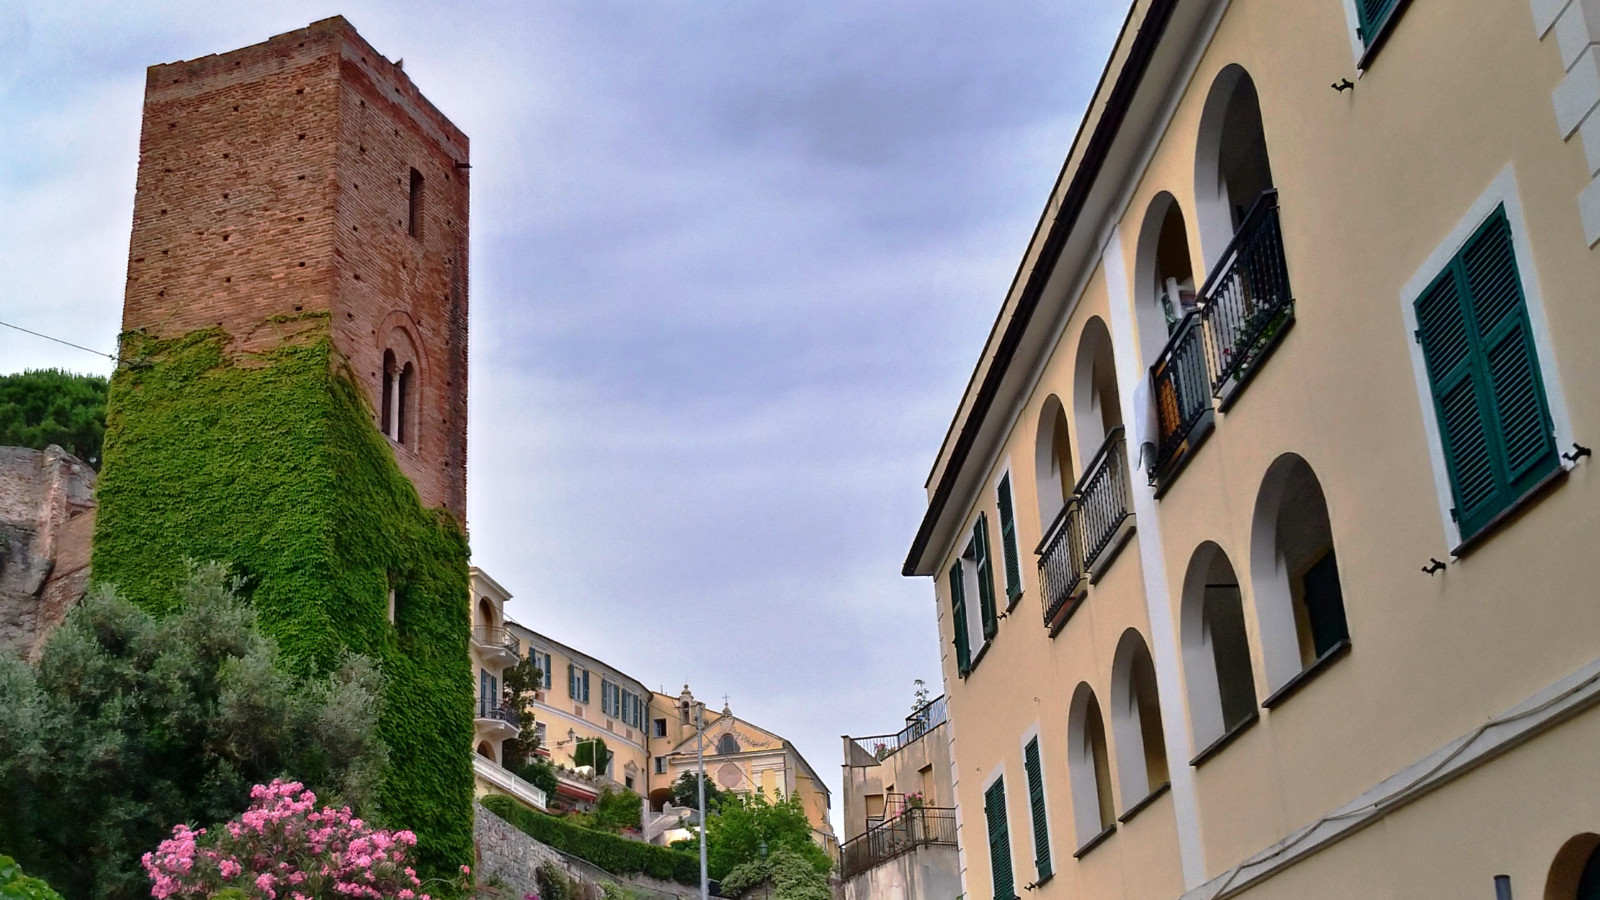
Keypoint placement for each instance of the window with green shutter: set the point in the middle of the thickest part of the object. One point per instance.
(994, 809)
(1041, 831)
(1488, 393)
(983, 564)
(958, 619)
(1008, 542)
(1373, 15)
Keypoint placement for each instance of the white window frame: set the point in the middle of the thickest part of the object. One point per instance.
(1502, 190)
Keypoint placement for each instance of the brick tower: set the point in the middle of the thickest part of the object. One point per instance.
(308, 173)
(293, 395)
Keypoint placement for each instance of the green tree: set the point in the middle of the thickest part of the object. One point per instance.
(747, 828)
(49, 406)
(128, 725)
(793, 877)
(685, 792)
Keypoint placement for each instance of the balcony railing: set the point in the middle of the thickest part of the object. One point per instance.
(1104, 501)
(1182, 390)
(1062, 569)
(1242, 310)
(926, 718)
(490, 709)
(1247, 300)
(917, 826)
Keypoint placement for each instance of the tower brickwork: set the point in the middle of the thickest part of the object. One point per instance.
(308, 173)
(293, 394)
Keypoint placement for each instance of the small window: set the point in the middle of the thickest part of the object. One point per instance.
(1488, 391)
(414, 208)
(661, 728)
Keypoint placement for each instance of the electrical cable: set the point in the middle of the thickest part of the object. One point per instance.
(111, 356)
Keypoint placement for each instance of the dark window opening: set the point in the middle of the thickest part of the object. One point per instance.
(414, 209)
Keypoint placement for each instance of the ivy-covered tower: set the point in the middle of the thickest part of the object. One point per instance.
(293, 395)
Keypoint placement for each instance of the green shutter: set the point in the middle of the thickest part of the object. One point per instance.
(1373, 13)
(1041, 832)
(1494, 420)
(958, 618)
(994, 809)
(1008, 543)
(984, 562)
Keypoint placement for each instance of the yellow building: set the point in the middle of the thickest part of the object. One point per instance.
(649, 738)
(1289, 399)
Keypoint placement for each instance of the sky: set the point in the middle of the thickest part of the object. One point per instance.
(732, 263)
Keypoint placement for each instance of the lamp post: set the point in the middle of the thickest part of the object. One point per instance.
(700, 761)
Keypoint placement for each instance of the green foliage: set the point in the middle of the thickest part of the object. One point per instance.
(745, 827)
(685, 793)
(50, 406)
(616, 809)
(14, 885)
(271, 463)
(592, 752)
(521, 681)
(537, 772)
(793, 877)
(616, 855)
(128, 725)
(556, 884)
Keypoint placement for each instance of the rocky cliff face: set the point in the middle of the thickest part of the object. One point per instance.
(46, 523)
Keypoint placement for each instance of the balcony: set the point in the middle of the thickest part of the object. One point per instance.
(1092, 527)
(927, 717)
(917, 826)
(496, 645)
(1248, 305)
(1242, 312)
(495, 721)
(507, 783)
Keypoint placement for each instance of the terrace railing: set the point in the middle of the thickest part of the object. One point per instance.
(916, 827)
(926, 718)
(1104, 500)
(1062, 568)
(1246, 302)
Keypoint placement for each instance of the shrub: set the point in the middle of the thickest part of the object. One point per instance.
(616, 855)
(128, 725)
(284, 844)
(16, 886)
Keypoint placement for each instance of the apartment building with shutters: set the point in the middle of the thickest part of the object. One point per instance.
(1263, 534)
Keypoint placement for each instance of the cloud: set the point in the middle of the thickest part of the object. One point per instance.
(731, 267)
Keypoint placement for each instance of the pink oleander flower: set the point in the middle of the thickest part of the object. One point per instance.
(283, 841)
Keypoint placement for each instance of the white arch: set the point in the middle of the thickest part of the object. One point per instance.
(1290, 530)
(1231, 136)
(1136, 720)
(1088, 766)
(1053, 471)
(1218, 675)
(1149, 271)
(1096, 406)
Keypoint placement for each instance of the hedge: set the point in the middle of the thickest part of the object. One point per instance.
(270, 463)
(616, 855)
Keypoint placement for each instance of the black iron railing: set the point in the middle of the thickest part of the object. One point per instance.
(917, 826)
(1061, 564)
(1182, 390)
(927, 717)
(1247, 301)
(489, 709)
(1104, 501)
